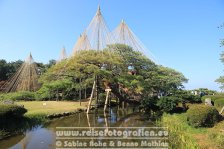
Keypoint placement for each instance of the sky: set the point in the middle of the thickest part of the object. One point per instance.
(183, 35)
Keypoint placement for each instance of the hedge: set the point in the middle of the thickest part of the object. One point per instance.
(24, 95)
(217, 99)
(212, 97)
(202, 116)
(11, 110)
(219, 102)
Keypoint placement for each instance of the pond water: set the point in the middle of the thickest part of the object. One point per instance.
(44, 136)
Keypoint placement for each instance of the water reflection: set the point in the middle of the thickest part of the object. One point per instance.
(43, 137)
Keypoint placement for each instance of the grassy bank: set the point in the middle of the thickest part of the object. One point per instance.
(50, 107)
(181, 135)
(37, 112)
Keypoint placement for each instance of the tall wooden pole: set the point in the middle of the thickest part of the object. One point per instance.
(107, 98)
(91, 96)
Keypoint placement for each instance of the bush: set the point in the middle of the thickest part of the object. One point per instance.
(24, 95)
(219, 102)
(11, 110)
(202, 116)
(217, 99)
(168, 103)
(44, 93)
(212, 97)
(187, 96)
(192, 99)
(180, 133)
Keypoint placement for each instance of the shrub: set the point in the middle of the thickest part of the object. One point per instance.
(212, 97)
(219, 102)
(149, 103)
(187, 96)
(192, 99)
(180, 133)
(168, 103)
(202, 116)
(44, 93)
(11, 110)
(217, 99)
(24, 95)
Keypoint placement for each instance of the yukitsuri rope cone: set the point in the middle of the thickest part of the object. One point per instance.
(25, 78)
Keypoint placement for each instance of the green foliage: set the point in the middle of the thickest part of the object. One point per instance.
(202, 116)
(102, 96)
(135, 74)
(217, 136)
(219, 102)
(8, 69)
(10, 110)
(23, 95)
(52, 89)
(212, 97)
(217, 99)
(206, 91)
(220, 80)
(222, 40)
(168, 80)
(186, 96)
(180, 133)
(149, 103)
(168, 103)
(18, 125)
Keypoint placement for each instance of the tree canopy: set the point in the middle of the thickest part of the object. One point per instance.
(130, 75)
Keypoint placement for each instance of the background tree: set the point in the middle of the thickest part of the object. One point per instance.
(8, 69)
(220, 80)
(3, 70)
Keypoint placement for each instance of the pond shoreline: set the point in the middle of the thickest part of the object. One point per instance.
(40, 119)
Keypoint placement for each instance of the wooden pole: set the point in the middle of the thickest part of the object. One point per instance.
(221, 110)
(122, 104)
(80, 97)
(87, 116)
(106, 121)
(97, 92)
(91, 96)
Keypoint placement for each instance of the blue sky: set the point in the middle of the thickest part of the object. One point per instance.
(181, 34)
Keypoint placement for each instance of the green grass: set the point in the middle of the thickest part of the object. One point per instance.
(180, 133)
(38, 107)
(216, 134)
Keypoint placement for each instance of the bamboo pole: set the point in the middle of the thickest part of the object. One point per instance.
(221, 110)
(107, 97)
